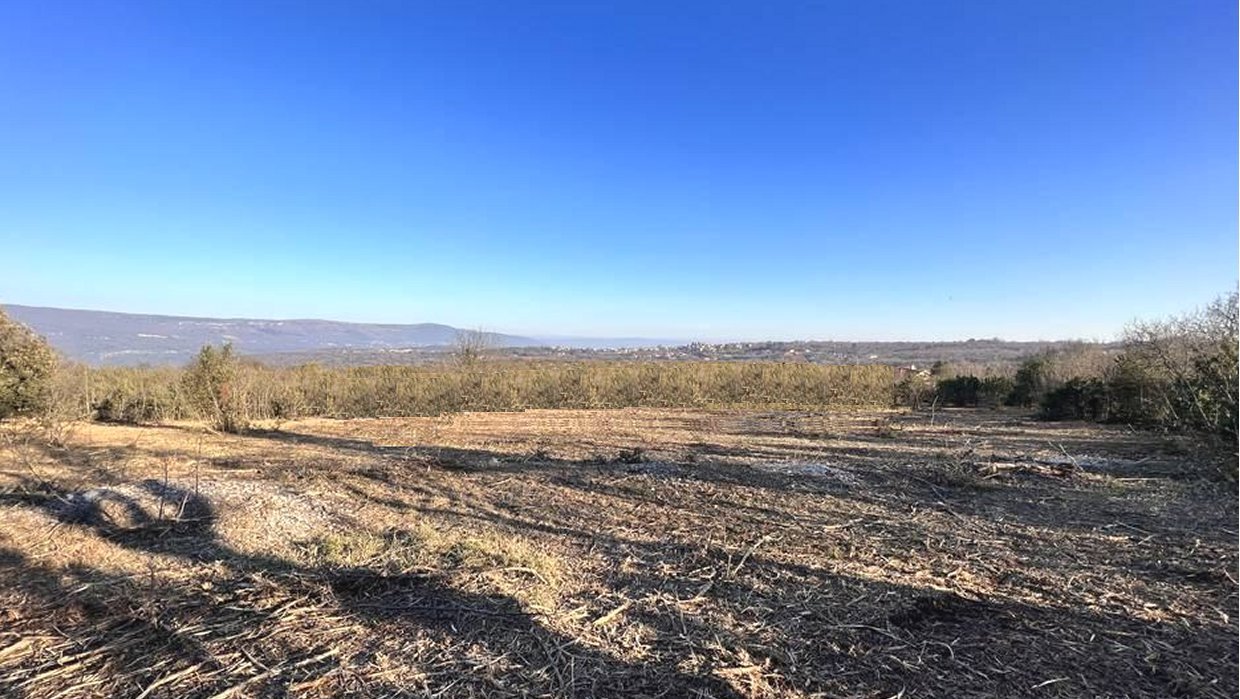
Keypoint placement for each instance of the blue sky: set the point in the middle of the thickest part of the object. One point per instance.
(829, 170)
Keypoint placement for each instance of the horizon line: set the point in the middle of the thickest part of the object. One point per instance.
(546, 337)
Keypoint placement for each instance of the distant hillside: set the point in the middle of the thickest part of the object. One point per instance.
(992, 353)
(101, 337)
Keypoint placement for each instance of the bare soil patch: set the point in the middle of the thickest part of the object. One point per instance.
(631, 553)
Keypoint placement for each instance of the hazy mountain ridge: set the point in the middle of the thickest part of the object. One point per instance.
(106, 337)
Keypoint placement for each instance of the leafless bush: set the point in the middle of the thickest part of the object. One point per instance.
(253, 392)
(66, 404)
(472, 347)
(1181, 373)
(913, 389)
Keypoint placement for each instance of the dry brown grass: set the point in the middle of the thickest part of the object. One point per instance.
(616, 553)
(257, 392)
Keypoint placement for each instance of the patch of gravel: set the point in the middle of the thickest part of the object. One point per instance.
(653, 468)
(808, 468)
(1089, 462)
(251, 516)
(265, 516)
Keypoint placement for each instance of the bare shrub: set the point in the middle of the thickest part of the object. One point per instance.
(137, 396)
(913, 388)
(67, 402)
(472, 347)
(1181, 373)
(255, 392)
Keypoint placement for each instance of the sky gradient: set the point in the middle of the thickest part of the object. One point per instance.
(828, 170)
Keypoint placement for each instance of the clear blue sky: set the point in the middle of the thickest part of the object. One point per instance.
(831, 170)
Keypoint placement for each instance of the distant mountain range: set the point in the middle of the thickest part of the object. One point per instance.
(102, 337)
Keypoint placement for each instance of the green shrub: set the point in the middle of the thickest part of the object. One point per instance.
(1077, 399)
(972, 391)
(1043, 373)
(27, 365)
(1031, 382)
(959, 391)
(994, 390)
(211, 384)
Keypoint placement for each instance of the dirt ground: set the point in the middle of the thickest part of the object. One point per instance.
(633, 553)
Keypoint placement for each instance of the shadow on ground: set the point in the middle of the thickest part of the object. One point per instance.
(711, 579)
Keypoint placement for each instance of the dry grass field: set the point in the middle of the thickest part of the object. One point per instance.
(630, 553)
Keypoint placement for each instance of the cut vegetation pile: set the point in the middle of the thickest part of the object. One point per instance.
(615, 554)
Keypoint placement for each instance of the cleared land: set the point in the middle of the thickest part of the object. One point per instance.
(616, 553)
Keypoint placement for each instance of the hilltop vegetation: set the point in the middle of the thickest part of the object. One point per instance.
(1178, 375)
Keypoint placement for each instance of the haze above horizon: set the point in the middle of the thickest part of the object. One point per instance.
(708, 171)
